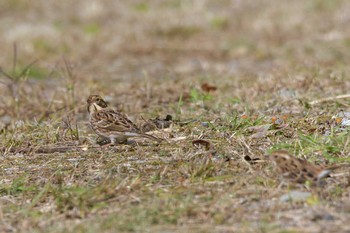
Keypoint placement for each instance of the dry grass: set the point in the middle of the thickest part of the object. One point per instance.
(267, 59)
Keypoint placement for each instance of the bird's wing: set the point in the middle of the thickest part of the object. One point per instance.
(114, 121)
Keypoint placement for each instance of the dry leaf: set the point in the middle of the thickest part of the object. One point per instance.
(208, 88)
(260, 130)
(157, 123)
(204, 143)
(251, 160)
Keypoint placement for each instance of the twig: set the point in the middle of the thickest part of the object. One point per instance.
(329, 99)
(14, 58)
(48, 150)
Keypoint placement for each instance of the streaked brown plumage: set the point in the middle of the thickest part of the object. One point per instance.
(296, 169)
(112, 124)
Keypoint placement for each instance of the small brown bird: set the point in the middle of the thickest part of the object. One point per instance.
(296, 169)
(112, 124)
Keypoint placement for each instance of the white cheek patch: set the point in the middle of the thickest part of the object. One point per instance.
(97, 107)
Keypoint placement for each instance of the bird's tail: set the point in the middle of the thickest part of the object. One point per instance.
(144, 135)
(151, 137)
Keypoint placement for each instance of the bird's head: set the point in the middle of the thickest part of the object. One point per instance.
(95, 103)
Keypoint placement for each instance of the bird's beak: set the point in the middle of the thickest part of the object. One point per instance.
(103, 104)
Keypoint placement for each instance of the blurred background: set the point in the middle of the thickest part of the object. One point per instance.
(238, 74)
(152, 52)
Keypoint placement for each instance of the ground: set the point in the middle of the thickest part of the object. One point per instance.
(246, 77)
